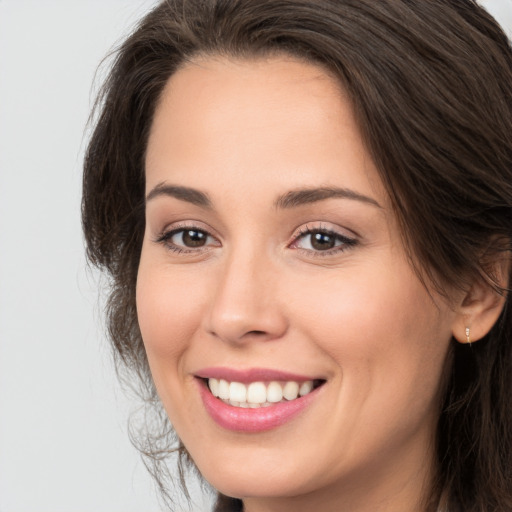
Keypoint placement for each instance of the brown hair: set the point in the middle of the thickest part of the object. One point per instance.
(430, 83)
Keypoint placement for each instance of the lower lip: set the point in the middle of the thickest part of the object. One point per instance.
(253, 420)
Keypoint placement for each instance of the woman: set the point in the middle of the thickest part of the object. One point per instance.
(305, 208)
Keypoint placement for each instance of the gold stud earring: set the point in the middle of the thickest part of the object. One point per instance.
(468, 339)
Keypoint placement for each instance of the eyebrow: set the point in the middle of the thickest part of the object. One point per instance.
(190, 195)
(304, 196)
(291, 199)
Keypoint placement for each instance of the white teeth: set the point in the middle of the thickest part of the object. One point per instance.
(214, 386)
(223, 389)
(238, 392)
(306, 387)
(258, 394)
(291, 390)
(274, 392)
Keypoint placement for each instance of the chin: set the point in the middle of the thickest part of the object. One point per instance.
(250, 484)
(257, 474)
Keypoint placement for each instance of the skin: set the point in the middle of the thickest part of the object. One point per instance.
(258, 294)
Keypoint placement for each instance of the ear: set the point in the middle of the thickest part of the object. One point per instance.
(480, 306)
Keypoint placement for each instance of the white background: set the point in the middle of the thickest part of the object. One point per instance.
(63, 440)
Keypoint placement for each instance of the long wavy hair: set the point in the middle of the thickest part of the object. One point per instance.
(430, 82)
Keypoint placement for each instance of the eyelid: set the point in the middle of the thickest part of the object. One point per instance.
(307, 230)
(170, 231)
(309, 227)
(188, 224)
(165, 235)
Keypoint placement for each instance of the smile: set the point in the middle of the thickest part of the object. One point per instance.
(255, 401)
(258, 394)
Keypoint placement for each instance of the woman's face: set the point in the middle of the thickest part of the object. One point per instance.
(272, 259)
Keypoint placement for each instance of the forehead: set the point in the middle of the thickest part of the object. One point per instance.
(253, 120)
(277, 79)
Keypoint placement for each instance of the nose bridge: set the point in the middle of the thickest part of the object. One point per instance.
(244, 304)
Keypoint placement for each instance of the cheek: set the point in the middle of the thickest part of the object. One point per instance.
(384, 332)
(367, 312)
(168, 314)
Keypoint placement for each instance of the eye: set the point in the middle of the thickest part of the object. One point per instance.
(186, 239)
(321, 240)
(189, 238)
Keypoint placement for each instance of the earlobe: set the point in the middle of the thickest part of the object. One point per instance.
(482, 305)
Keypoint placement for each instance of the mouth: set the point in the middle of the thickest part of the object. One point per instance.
(255, 400)
(260, 394)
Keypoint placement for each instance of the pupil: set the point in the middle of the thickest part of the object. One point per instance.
(193, 238)
(321, 241)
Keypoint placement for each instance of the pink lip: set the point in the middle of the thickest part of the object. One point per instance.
(250, 375)
(253, 420)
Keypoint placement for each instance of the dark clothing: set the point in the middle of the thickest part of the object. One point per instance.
(225, 504)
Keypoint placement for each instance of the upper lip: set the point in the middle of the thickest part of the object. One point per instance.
(251, 375)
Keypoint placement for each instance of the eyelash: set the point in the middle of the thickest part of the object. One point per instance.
(346, 242)
(166, 236)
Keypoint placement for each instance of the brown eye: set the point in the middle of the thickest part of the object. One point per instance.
(192, 238)
(322, 241)
(188, 239)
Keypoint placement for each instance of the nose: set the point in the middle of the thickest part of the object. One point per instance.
(245, 305)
